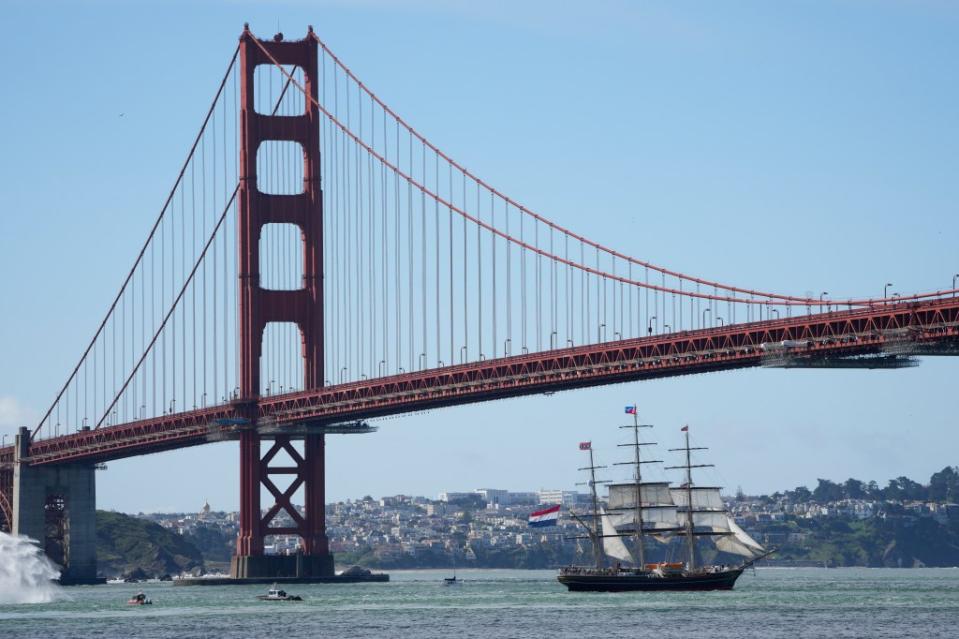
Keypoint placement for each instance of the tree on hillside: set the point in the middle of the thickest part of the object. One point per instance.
(827, 491)
(799, 495)
(944, 485)
(854, 489)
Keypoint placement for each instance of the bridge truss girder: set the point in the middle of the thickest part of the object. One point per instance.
(838, 334)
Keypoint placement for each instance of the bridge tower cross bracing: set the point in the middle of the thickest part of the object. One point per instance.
(259, 306)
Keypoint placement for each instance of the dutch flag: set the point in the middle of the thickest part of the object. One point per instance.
(546, 517)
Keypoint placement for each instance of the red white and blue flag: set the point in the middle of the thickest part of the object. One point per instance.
(631, 410)
(546, 517)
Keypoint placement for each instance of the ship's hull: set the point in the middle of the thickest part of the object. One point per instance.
(597, 581)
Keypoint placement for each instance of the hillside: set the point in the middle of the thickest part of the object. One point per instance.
(894, 541)
(127, 544)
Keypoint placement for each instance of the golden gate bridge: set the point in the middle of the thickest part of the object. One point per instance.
(318, 262)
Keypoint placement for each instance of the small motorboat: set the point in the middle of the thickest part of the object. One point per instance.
(139, 599)
(275, 594)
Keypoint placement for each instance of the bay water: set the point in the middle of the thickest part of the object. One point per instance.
(767, 602)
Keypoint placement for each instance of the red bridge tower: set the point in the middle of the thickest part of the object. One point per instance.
(258, 307)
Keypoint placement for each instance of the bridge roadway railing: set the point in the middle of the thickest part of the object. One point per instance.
(839, 333)
(834, 334)
(175, 430)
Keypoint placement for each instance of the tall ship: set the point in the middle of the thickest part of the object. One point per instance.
(673, 518)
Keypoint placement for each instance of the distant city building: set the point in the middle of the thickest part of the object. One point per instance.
(567, 498)
(523, 499)
(435, 509)
(494, 497)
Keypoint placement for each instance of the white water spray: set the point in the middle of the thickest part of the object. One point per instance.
(26, 574)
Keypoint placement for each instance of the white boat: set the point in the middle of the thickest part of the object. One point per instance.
(275, 594)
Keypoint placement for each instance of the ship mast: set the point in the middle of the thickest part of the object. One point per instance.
(689, 504)
(690, 535)
(595, 533)
(639, 501)
(637, 463)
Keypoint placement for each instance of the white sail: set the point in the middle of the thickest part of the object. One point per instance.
(703, 498)
(653, 494)
(730, 544)
(664, 517)
(613, 546)
(739, 543)
(712, 521)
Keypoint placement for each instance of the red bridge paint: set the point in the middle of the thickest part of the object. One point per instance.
(841, 334)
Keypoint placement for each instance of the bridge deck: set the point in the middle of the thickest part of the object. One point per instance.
(920, 327)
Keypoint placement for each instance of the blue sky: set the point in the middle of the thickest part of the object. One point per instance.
(788, 146)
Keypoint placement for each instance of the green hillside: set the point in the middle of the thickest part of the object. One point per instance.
(126, 545)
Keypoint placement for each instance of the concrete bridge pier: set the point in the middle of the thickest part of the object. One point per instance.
(56, 505)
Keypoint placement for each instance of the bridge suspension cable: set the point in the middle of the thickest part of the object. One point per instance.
(382, 174)
(425, 266)
(155, 352)
(756, 297)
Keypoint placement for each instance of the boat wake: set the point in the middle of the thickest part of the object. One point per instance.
(26, 575)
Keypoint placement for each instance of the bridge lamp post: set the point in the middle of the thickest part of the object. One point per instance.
(506, 344)
(462, 355)
(954, 278)
(885, 288)
(3, 440)
(342, 370)
(552, 336)
(666, 328)
(720, 320)
(380, 369)
(569, 342)
(421, 361)
(652, 325)
(821, 295)
(706, 310)
(618, 335)
(776, 311)
(172, 405)
(601, 332)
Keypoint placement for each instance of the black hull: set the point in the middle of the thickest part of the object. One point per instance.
(625, 582)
